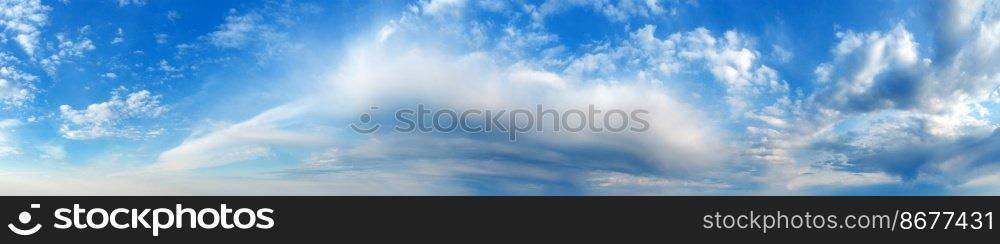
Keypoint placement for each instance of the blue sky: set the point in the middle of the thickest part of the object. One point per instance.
(255, 97)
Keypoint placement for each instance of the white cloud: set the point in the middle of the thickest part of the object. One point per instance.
(531, 76)
(239, 142)
(620, 11)
(860, 65)
(438, 7)
(328, 158)
(13, 94)
(67, 50)
(839, 179)
(84, 30)
(161, 38)
(23, 20)
(494, 6)
(9, 123)
(123, 3)
(730, 58)
(16, 87)
(521, 42)
(110, 118)
(173, 15)
(877, 71)
(469, 64)
(387, 75)
(101, 182)
(6, 149)
(386, 32)
(237, 31)
(119, 37)
(165, 66)
(779, 129)
(983, 185)
(411, 66)
(781, 54)
(616, 183)
(260, 31)
(600, 63)
(880, 97)
(52, 152)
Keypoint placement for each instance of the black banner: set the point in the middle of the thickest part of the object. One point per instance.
(475, 219)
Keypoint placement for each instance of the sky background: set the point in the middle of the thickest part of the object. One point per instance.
(150, 97)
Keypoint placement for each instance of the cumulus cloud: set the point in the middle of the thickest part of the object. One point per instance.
(730, 58)
(16, 87)
(873, 71)
(67, 50)
(782, 129)
(22, 21)
(878, 71)
(884, 106)
(755, 94)
(13, 94)
(111, 118)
